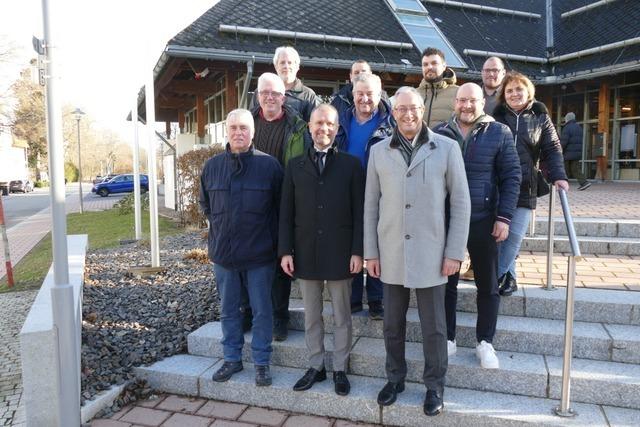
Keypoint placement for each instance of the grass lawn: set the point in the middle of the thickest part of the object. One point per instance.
(105, 229)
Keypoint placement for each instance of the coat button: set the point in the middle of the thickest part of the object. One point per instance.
(407, 206)
(409, 175)
(407, 236)
(319, 231)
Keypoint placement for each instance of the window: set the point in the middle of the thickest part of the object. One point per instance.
(424, 33)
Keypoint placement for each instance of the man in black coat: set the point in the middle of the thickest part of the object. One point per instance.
(571, 141)
(320, 241)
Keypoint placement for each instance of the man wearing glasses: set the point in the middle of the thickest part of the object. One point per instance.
(407, 243)
(493, 73)
(493, 172)
(281, 133)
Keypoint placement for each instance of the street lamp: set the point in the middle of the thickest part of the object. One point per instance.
(78, 113)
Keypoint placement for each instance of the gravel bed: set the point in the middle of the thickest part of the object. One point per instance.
(129, 321)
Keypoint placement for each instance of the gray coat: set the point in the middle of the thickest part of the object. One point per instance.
(404, 211)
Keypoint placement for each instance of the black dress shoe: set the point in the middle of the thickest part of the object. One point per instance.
(508, 284)
(280, 331)
(226, 371)
(341, 383)
(376, 311)
(433, 403)
(263, 376)
(389, 393)
(310, 377)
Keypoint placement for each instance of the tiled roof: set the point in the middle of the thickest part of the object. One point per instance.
(465, 29)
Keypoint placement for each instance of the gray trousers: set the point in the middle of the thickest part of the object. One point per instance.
(433, 326)
(340, 291)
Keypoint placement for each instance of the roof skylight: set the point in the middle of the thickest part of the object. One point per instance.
(424, 33)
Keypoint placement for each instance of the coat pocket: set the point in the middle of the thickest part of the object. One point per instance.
(256, 199)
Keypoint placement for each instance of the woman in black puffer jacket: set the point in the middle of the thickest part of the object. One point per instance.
(536, 141)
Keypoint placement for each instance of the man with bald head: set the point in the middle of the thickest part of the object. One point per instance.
(320, 241)
(493, 73)
(240, 195)
(493, 174)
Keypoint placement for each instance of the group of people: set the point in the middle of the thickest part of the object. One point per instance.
(401, 186)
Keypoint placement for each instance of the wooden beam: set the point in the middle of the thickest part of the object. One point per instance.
(603, 107)
(200, 115)
(169, 72)
(231, 93)
(181, 120)
(192, 87)
(167, 128)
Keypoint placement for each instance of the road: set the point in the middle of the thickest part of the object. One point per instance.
(18, 206)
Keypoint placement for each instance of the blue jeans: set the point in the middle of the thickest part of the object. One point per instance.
(257, 282)
(508, 250)
(374, 289)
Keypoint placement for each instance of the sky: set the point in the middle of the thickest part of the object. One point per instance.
(106, 48)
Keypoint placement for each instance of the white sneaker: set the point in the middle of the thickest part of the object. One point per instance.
(451, 347)
(487, 355)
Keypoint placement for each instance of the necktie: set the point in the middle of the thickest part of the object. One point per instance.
(320, 160)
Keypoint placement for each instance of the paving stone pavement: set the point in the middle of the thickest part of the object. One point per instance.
(171, 410)
(13, 310)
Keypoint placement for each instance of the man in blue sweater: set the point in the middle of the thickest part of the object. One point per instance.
(368, 122)
(240, 195)
(493, 174)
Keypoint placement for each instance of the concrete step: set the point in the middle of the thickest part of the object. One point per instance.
(591, 305)
(592, 227)
(596, 341)
(533, 375)
(588, 245)
(191, 375)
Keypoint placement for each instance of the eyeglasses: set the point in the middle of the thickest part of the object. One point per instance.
(463, 101)
(404, 110)
(492, 70)
(270, 94)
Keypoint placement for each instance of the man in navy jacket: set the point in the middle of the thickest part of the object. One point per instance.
(493, 173)
(240, 195)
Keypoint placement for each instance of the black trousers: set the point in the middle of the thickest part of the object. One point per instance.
(433, 327)
(280, 293)
(483, 251)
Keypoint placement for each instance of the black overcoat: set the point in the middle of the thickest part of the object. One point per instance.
(321, 215)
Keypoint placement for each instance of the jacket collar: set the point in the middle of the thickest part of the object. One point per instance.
(425, 136)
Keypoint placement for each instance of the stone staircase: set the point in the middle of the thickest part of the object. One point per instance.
(605, 385)
(595, 235)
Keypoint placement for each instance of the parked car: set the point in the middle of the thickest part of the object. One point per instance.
(120, 184)
(21, 185)
(99, 178)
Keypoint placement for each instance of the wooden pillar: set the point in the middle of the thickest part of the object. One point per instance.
(200, 115)
(167, 128)
(603, 128)
(231, 93)
(181, 121)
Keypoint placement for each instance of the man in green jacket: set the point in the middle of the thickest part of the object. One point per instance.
(438, 87)
(281, 133)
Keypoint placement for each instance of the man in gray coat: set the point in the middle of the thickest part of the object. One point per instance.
(407, 242)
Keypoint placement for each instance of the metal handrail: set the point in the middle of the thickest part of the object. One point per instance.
(564, 410)
(550, 232)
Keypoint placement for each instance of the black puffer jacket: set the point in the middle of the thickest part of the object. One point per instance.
(536, 139)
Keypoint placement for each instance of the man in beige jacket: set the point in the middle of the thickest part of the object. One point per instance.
(438, 87)
(407, 242)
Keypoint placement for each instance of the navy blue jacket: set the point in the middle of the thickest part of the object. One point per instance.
(383, 131)
(240, 195)
(571, 141)
(492, 166)
(536, 139)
